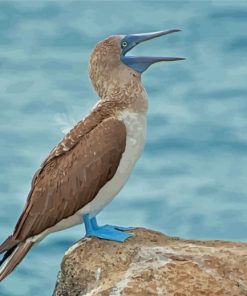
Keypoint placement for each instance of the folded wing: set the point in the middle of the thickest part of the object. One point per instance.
(70, 180)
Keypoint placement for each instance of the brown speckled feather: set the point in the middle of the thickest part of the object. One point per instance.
(73, 173)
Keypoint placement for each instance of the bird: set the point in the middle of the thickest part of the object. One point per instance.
(91, 164)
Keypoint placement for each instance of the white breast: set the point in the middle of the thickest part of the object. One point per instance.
(136, 134)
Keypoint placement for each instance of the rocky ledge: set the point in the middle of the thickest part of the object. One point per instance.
(152, 263)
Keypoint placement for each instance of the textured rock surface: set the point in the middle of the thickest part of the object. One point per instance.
(153, 264)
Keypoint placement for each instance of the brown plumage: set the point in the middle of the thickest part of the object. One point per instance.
(94, 160)
(86, 158)
(76, 169)
(16, 253)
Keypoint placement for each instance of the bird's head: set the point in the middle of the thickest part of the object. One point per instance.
(110, 64)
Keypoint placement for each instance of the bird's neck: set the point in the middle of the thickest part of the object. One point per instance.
(128, 92)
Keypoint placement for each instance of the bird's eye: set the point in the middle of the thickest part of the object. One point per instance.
(124, 44)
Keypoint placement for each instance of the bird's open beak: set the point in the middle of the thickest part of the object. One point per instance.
(140, 64)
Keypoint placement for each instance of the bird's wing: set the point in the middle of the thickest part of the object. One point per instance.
(70, 140)
(67, 183)
(73, 137)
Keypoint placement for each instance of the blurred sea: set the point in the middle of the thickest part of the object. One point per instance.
(191, 180)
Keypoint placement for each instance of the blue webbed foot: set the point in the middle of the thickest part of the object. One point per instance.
(108, 232)
(114, 235)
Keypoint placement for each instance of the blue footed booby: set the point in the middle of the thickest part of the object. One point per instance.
(84, 172)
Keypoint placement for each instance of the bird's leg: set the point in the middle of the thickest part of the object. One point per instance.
(108, 232)
(88, 224)
(94, 223)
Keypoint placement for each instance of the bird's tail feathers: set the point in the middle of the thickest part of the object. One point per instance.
(9, 243)
(13, 257)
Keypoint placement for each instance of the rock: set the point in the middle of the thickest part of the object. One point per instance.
(152, 263)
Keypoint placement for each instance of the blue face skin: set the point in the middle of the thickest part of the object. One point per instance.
(140, 64)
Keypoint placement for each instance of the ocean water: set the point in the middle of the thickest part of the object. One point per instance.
(191, 179)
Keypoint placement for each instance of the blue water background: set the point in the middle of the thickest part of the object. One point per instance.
(191, 179)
